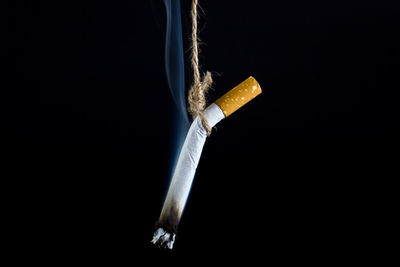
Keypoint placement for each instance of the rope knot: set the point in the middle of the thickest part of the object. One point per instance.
(197, 99)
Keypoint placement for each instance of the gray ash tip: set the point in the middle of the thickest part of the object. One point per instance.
(163, 239)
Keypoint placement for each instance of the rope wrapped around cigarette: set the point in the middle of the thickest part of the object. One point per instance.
(189, 157)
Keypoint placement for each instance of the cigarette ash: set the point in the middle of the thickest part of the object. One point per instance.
(163, 239)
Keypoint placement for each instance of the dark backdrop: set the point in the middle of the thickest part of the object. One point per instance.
(297, 174)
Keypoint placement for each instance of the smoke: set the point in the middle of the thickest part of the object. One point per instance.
(174, 66)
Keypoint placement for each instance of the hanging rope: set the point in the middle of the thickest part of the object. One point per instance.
(200, 86)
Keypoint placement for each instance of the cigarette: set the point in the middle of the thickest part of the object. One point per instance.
(189, 157)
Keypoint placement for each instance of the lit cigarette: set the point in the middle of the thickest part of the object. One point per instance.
(189, 157)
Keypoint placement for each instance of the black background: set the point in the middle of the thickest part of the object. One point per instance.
(296, 175)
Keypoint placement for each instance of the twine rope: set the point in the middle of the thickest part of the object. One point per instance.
(196, 97)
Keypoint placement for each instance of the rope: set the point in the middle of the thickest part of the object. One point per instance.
(196, 97)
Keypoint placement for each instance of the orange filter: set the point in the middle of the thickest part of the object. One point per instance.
(239, 96)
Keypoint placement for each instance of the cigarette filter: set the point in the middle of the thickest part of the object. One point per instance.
(189, 157)
(239, 96)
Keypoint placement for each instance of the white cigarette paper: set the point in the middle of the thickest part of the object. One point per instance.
(189, 157)
(188, 160)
